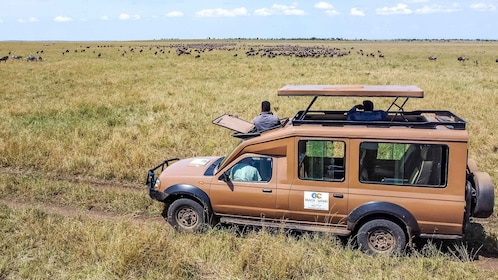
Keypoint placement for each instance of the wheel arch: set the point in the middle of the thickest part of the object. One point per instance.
(383, 210)
(177, 191)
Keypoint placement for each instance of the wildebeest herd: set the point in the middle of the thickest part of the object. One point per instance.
(20, 57)
(198, 49)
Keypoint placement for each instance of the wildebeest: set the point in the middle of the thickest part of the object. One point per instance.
(497, 60)
(462, 58)
(4, 58)
(17, 57)
(31, 58)
(432, 57)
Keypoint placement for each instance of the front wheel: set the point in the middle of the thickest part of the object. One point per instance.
(381, 237)
(186, 215)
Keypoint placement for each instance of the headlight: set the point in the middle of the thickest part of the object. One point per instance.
(157, 185)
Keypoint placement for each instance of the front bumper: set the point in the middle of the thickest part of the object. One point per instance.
(151, 180)
(157, 195)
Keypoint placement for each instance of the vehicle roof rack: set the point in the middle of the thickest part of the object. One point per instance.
(414, 119)
(397, 116)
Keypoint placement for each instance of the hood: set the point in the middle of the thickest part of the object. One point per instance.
(196, 166)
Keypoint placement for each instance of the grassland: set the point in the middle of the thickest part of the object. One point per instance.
(78, 132)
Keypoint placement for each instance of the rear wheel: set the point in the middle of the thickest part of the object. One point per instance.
(186, 215)
(381, 237)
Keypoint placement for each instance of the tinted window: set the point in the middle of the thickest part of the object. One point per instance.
(321, 160)
(403, 164)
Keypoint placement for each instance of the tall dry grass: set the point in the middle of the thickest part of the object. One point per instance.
(114, 116)
(105, 121)
(40, 246)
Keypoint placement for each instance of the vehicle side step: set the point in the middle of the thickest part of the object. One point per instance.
(337, 230)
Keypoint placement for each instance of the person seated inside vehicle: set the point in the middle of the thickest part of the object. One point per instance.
(366, 113)
(245, 171)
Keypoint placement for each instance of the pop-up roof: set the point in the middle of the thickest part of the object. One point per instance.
(352, 91)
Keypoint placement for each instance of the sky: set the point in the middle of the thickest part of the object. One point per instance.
(126, 20)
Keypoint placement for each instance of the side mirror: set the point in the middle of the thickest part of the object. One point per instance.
(225, 177)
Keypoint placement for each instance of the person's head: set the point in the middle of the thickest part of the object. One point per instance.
(368, 105)
(265, 106)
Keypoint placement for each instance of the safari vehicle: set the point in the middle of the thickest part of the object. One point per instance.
(383, 182)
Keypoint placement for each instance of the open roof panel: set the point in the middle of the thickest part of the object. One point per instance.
(352, 91)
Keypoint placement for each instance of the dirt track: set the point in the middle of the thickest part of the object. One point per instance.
(72, 212)
(488, 263)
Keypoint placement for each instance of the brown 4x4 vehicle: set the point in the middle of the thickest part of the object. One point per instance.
(384, 181)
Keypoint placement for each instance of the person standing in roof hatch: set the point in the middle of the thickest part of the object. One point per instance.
(266, 119)
(367, 114)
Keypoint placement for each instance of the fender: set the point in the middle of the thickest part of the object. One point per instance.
(382, 208)
(187, 190)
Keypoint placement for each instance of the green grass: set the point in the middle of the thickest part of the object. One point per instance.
(80, 132)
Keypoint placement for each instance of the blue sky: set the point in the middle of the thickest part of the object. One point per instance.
(116, 20)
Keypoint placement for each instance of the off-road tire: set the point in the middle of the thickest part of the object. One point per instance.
(381, 237)
(484, 195)
(186, 215)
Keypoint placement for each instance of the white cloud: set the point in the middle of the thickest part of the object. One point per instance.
(174, 14)
(1, 21)
(332, 12)
(329, 8)
(324, 6)
(357, 12)
(31, 19)
(222, 12)
(277, 9)
(125, 16)
(482, 7)
(400, 9)
(437, 9)
(104, 18)
(62, 19)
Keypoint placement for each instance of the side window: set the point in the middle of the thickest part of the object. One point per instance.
(321, 160)
(403, 164)
(252, 169)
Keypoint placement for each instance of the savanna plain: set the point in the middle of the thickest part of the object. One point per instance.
(80, 127)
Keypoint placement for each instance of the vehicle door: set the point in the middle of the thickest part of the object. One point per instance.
(246, 187)
(319, 193)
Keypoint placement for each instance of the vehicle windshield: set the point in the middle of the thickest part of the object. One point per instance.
(221, 161)
(213, 167)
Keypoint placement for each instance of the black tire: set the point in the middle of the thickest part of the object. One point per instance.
(186, 215)
(381, 237)
(484, 195)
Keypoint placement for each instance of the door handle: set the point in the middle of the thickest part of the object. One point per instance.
(338, 195)
(267, 190)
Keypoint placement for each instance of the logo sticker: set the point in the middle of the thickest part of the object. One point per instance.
(316, 201)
